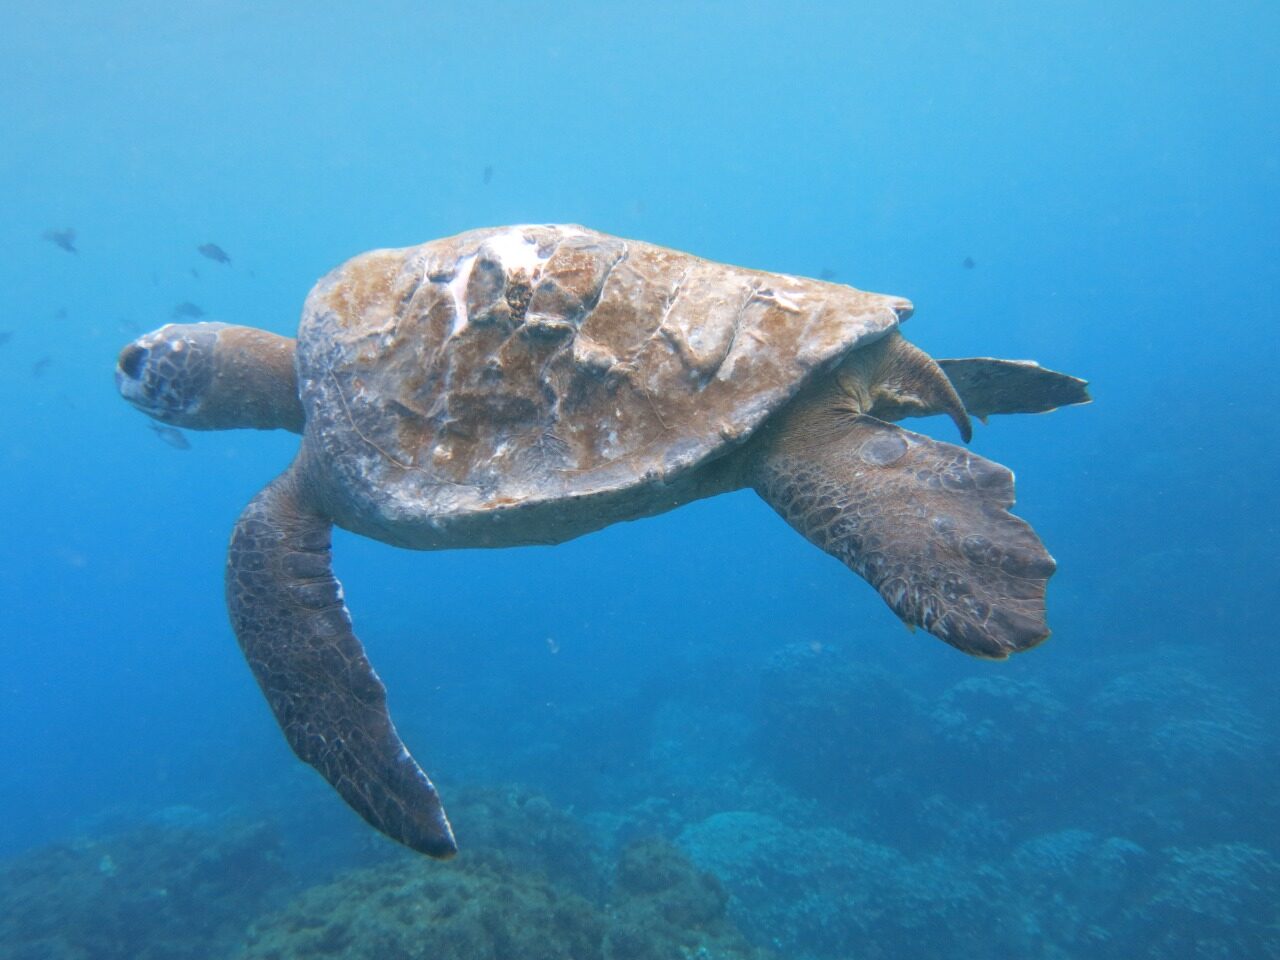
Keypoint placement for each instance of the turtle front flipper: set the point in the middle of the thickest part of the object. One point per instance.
(288, 614)
(926, 523)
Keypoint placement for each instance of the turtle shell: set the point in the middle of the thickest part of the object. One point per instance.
(507, 368)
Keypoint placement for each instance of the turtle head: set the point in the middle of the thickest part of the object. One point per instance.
(167, 373)
(212, 376)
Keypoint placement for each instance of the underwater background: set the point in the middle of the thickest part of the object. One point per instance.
(695, 735)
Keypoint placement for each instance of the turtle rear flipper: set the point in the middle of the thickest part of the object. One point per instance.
(925, 523)
(287, 611)
(988, 386)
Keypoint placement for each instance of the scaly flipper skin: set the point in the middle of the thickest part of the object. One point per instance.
(287, 611)
(926, 523)
(988, 386)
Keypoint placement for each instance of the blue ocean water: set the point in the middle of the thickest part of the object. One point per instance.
(1092, 185)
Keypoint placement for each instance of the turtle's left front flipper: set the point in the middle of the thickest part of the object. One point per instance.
(926, 523)
(287, 611)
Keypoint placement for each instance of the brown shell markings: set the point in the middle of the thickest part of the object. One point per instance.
(516, 365)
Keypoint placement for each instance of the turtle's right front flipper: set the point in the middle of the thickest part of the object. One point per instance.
(926, 523)
(287, 611)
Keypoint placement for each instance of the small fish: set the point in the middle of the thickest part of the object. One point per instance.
(5, 337)
(60, 313)
(170, 435)
(65, 238)
(826, 273)
(187, 309)
(213, 252)
(968, 263)
(488, 175)
(195, 273)
(40, 366)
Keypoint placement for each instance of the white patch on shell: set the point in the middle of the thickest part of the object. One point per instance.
(515, 251)
(609, 447)
(782, 300)
(458, 291)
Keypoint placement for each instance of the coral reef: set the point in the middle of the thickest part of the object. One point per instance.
(1209, 903)
(163, 891)
(910, 768)
(530, 833)
(661, 902)
(828, 725)
(477, 907)
(1173, 756)
(1122, 812)
(1072, 886)
(1000, 729)
(1109, 898)
(481, 907)
(818, 891)
(1177, 756)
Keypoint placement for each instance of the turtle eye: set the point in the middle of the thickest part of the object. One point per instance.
(131, 360)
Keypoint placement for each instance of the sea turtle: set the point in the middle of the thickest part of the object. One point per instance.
(529, 384)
